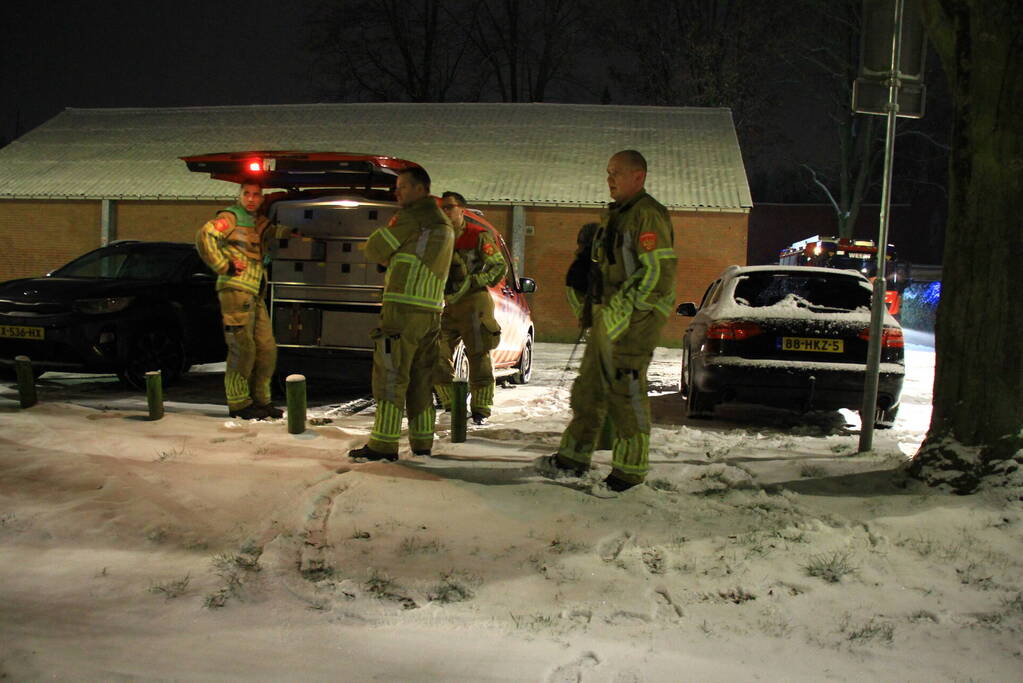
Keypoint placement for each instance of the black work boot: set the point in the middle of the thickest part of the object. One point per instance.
(367, 453)
(617, 484)
(478, 418)
(249, 412)
(554, 467)
(271, 410)
(422, 451)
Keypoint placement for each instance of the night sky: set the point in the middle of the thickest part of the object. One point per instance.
(122, 53)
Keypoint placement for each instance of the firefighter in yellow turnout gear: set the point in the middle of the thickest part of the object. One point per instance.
(468, 309)
(633, 252)
(233, 245)
(416, 248)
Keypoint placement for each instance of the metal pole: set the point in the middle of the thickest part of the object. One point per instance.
(26, 381)
(459, 394)
(154, 394)
(877, 309)
(295, 390)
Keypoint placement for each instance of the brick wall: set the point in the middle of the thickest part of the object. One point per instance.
(44, 235)
(39, 236)
(163, 221)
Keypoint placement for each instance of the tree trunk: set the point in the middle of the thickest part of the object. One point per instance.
(976, 431)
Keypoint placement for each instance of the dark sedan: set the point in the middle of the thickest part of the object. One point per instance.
(127, 308)
(790, 337)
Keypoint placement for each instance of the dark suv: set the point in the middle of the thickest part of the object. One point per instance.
(128, 308)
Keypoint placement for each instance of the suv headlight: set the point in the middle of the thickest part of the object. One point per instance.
(111, 304)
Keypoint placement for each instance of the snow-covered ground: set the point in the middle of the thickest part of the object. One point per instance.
(764, 547)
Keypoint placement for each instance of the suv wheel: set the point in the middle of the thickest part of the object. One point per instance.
(153, 349)
(885, 419)
(525, 366)
(699, 404)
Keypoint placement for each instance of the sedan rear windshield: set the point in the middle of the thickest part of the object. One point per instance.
(125, 264)
(823, 291)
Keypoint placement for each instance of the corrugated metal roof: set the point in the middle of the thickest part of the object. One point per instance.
(530, 154)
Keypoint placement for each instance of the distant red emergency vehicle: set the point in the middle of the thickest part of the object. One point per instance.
(850, 254)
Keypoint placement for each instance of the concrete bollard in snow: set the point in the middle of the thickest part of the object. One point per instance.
(459, 394)
(26, 381)
(154, 394)
(296, 403)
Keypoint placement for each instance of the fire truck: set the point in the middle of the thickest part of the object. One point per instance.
(850, 254)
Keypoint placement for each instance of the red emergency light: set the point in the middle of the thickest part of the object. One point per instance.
(256, 166)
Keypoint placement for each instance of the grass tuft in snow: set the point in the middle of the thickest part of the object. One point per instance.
(1014, 604)
(171, 454)
(872, 630)
(454, 587)
(386, 588)
(737, 595)
(415, 546)
(831, 567)
(812, 471)
(227, 562)
(171, 589)
(561, 546)
(380, 583)
(533, 622)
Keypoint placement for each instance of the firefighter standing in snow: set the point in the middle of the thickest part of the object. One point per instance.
(633, 249)
(468, 309)
(416, 248)
(232, 245)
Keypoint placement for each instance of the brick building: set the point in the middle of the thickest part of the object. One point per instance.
(90, 176)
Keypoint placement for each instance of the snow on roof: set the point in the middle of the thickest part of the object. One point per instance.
(530, 154)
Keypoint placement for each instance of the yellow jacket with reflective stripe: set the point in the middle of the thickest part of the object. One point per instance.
(220, 243)
(476, 263)
(416, 248)
(635, 250)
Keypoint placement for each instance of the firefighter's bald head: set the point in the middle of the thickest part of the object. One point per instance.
(626, 175)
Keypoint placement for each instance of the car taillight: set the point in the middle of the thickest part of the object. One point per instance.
(891, 337)
(735, 330)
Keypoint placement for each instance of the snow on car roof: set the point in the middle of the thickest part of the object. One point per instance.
(789, 308)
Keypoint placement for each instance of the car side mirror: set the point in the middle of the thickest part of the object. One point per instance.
(687, 310)
(527, 285)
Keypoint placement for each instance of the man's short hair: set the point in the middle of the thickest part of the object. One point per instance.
(251, 181)
(633, 158)
(419, 176)
(459, 199)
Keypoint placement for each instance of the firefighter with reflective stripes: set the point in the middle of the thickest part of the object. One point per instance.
(233, 245)
(633, 249)
(416, 248)
(469, 310)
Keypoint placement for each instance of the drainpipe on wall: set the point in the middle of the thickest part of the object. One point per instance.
(518, 247)
(107, 222)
